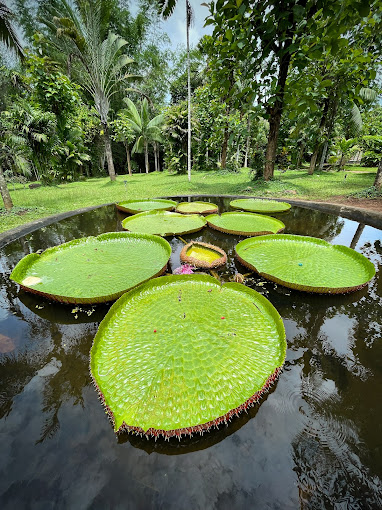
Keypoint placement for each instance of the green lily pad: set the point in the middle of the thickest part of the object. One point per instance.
(260, 205)
(93, 269)
(306, 263)
(180, 354)
(197, 208)
(164, 223)
(245, 224)
(137, 206)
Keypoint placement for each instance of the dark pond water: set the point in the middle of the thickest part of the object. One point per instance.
(314, 442)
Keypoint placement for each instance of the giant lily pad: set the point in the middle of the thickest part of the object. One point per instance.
(306, 263)
(245, 224)
(93, 269)
(164, 223)
(197, 208)
(260, 205)
(180, 354)
(203, 255)
(137, 206)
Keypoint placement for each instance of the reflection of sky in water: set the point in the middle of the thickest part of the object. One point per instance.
(369, 234)
(338, 330)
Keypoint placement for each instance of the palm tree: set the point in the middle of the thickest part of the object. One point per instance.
(145, 129)
(98, 62)
(166, 8)
(7, 31)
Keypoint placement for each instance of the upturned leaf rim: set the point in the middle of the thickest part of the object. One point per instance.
(358, 257)
(196, 222)
(249, 204)
(167, 205)
(210, 221)
(209, 207)
(18, 273)
(145, 288)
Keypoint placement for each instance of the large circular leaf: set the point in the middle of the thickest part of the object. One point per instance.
(137, 206)
(260, 205)
(197, 208)
(306, 263)
(245, 224)
(180, 354)
(164, 223)
(93, 269)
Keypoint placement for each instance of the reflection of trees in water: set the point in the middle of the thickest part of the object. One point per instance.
(68, 351)
(336, 452)
(71, 359)
(43, 341)
(313, 223)
(16, 371)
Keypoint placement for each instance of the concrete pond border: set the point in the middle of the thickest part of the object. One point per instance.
(361, 215)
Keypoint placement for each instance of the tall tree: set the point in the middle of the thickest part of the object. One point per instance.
(166, 8)
(99, 63)
(272, 35)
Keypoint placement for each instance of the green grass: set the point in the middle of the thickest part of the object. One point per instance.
(32, 204)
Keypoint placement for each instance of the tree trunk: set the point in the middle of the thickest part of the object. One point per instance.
(378, 177)
(8, 204)
(128, 159)
(314, 157)
(313, 160)
(147, 157)
(357, 235)
(108, 152)
(275, 113)
(300, 155)
(247, 143)
(188, 18)
(156, 157)
(342, 163)
(224, 148)
(323, 157)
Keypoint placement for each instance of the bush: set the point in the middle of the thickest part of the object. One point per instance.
(372, 147)
(371, 192)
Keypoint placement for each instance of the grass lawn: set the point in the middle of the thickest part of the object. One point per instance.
(45, 201)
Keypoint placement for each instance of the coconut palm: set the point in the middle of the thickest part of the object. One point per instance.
(146, 130)
(99, 66)
(166, 8)
(7, 31)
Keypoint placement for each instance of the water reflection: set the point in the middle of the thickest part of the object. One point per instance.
(314, 442)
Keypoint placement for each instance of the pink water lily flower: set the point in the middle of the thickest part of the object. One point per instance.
(184, 269)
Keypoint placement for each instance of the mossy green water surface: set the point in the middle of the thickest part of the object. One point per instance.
(164, 223)
(306, 263)
(93, 269)
(180, 351)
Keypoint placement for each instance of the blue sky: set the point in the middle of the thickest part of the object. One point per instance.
(175, 26)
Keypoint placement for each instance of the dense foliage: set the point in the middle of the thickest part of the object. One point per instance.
(98, 89)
